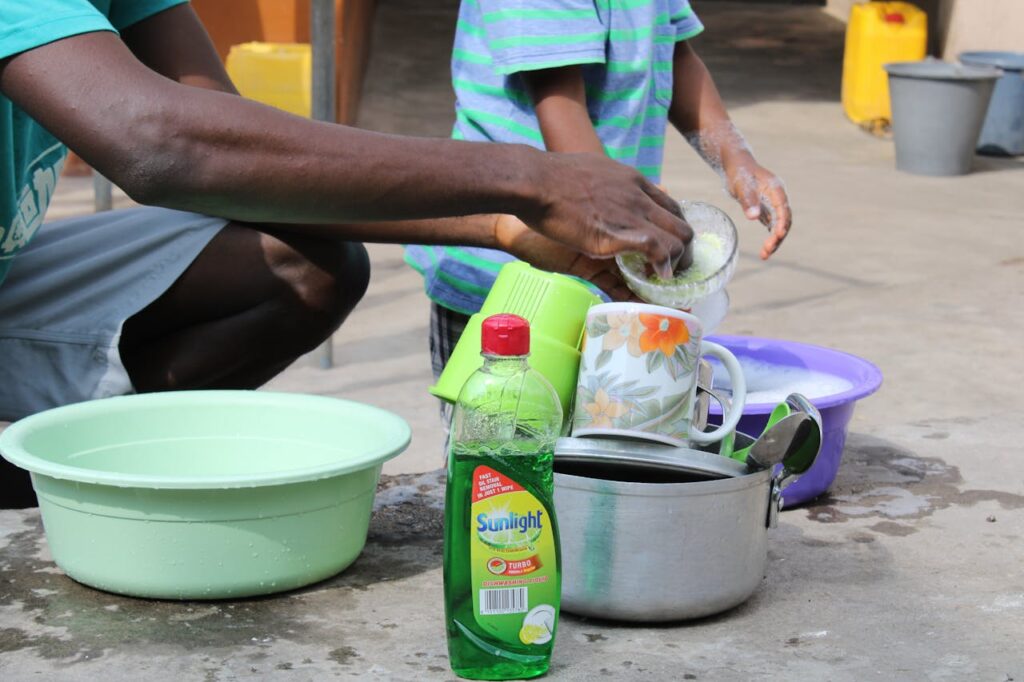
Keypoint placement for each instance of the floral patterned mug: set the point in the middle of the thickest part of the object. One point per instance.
(638, 375)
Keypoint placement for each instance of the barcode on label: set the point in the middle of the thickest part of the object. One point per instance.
(503, 600)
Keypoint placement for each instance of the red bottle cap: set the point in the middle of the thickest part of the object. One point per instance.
(895, 18)
(505, 335)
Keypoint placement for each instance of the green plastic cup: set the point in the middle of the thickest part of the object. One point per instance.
(555, 306)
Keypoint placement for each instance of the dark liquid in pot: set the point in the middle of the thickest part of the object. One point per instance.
(627, 473)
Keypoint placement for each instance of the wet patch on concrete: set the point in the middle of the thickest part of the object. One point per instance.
(894, 529)
(795, 558)
(881, 480)
(409, 507)
(806, 638)
(68, 623)
(343, 655)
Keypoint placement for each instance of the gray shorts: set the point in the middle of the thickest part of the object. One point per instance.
(71, 289)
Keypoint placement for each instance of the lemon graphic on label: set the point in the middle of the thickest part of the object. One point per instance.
(531, 633)
(538, 625)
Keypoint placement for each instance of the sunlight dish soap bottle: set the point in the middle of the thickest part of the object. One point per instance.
(502, 567)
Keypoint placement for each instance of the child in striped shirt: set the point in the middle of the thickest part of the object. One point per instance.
(601, 76)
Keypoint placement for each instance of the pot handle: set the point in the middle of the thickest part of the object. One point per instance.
(775, 503)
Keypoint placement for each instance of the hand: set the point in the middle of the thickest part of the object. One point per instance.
(763, 197)
(516, 238)
(600, 208)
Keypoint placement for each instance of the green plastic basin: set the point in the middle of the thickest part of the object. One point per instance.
(205, 494)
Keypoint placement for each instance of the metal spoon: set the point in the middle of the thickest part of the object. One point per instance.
(781, 411)
(778, 440)
(806, 443)
(799, 403)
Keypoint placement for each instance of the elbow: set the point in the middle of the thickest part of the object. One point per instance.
(156, 162)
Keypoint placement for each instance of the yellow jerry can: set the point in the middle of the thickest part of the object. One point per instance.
(278, 74)
(878, 33)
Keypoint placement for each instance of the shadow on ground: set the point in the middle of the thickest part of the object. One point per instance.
(758, 52)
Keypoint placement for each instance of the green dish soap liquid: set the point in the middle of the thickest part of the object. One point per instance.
(502, 567)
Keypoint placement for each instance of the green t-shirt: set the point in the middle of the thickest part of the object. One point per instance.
(31, 158)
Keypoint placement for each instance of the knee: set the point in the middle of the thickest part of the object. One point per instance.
(351, 277)
(326, 281)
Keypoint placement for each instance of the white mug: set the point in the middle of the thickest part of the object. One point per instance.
(638, 375)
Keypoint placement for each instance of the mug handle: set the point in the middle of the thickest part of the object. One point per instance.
(731, 417)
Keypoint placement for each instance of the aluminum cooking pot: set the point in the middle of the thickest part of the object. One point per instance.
(683, 547)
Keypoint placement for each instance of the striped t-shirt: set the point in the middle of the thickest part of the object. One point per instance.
(625, 48)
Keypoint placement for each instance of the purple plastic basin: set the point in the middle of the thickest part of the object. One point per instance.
(836, 410)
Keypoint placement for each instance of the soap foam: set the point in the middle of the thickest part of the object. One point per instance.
(768, 383)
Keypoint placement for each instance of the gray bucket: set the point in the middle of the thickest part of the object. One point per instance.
(937, 112)
(1003, 132)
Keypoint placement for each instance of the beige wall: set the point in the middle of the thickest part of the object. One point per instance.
(984, 25)
(959, 25)
(840, 8)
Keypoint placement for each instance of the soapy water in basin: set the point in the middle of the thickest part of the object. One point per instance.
(769, 383)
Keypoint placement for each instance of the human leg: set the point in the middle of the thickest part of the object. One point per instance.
(191, 294)
(446, 327)
(249, 304)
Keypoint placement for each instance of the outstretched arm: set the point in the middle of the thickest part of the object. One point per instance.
(170, 144)
(560, 102)
(698, 113)
(175, 44)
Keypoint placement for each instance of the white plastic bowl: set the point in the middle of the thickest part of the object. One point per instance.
(705, 219)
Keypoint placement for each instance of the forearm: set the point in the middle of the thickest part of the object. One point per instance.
(698, 113)
(473, 230)
(192, 148)
(175, 44)
(195, 149)
(249, 162)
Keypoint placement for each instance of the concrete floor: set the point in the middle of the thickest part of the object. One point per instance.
(909, 570)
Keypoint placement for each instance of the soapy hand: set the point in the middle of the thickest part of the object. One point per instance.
(602, 208)
(517, 238)
(763, 197)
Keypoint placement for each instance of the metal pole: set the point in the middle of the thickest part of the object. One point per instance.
(322, 31)
(102, 193)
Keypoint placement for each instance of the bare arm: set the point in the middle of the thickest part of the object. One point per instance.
(175, 44)
(504, 232)
(170, 144)
(560, 102)
(698, 113)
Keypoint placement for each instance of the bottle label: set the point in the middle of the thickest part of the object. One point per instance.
(514, 564)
